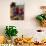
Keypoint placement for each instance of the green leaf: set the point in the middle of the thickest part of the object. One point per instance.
(40, 18)
(45, 17)
(10, 31)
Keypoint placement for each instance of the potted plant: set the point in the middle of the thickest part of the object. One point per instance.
(42, 19)
(11, 31)
(42, 16)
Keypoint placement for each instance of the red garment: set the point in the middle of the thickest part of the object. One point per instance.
(17, 10)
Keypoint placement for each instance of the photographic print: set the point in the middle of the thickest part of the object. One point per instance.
(16, 11)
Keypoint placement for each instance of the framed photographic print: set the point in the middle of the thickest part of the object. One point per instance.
(16, 11)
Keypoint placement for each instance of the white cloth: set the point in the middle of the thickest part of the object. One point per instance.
(39, 36)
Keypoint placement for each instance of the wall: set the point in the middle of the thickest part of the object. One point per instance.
(28, 26)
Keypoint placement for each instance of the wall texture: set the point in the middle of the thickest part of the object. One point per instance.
(28, 26)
